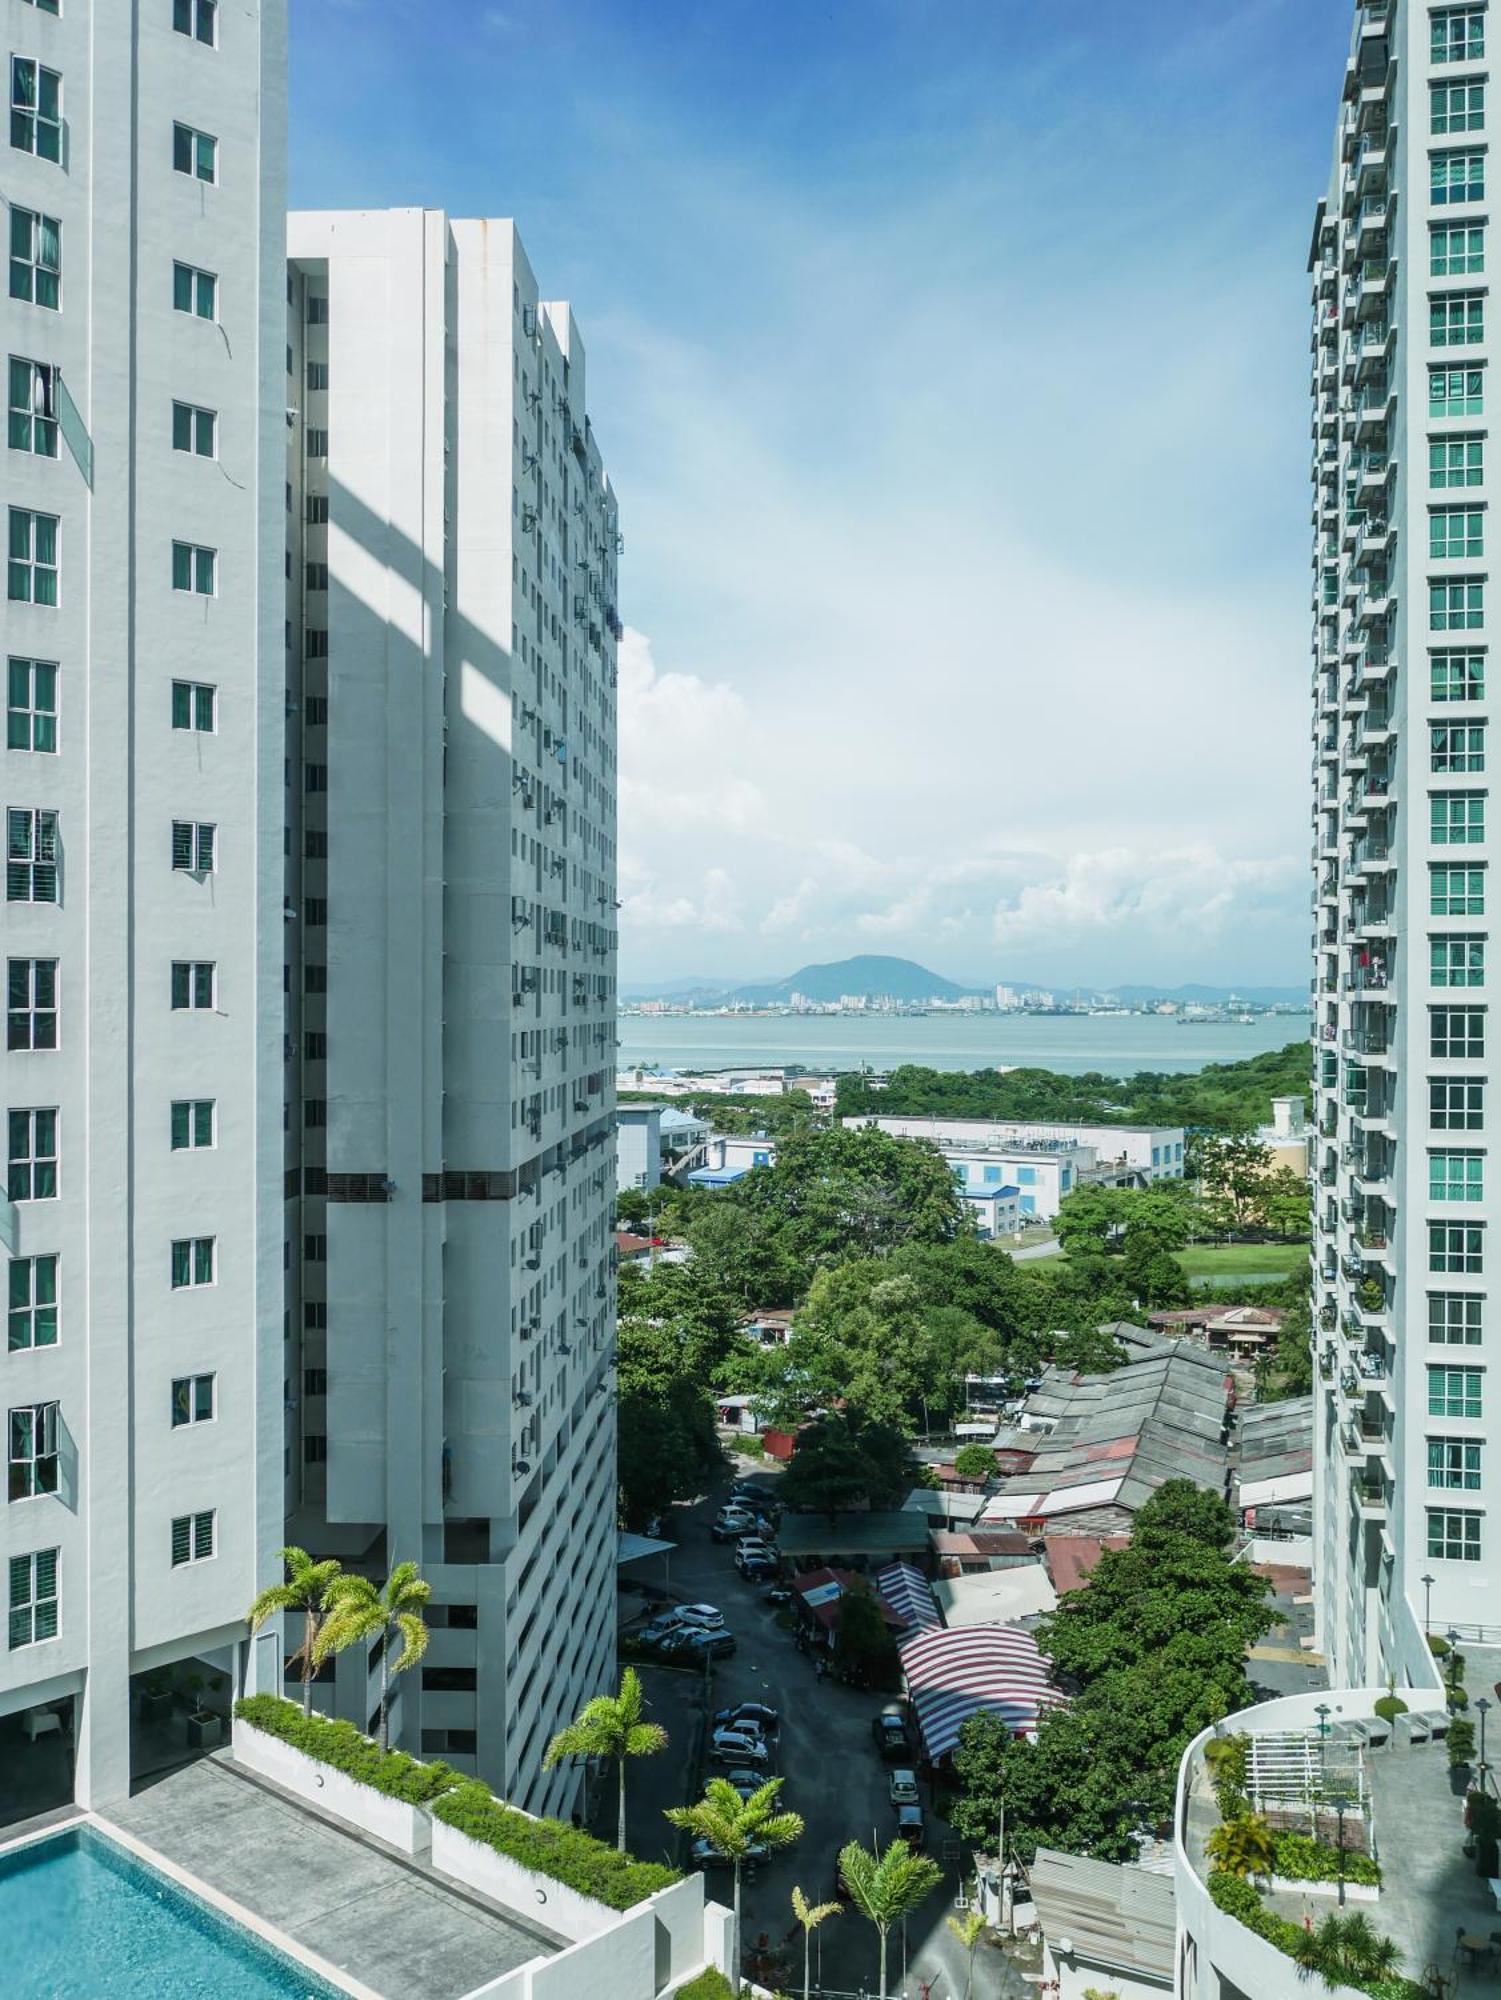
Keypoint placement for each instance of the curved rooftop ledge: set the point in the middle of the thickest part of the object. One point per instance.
(1216, 1952)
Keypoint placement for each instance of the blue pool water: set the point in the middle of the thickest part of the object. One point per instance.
(82, 1919)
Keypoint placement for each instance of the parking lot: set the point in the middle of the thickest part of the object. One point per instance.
(832, 1776)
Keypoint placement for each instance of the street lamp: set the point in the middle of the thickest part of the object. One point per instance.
(1453, 1638)
(1323, 1712)
(1427, 1583)
(1482, 1709)
(1339, 1815)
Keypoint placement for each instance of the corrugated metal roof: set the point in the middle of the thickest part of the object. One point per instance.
(1121, 1919)
(951, 1676)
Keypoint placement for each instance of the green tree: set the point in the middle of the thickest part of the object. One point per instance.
(733, 1826)
(745, 1253)
(974, 1461)
(810, 1916)
(359, 1612)
(968, 1929)
(613, 1726)
(863, 1645)
(1233, 1176)
(842, 1462)
(886, 1888)
(306, 1589)
(1284, 1203)
(1151, 1271)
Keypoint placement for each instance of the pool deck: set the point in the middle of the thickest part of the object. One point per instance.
(385, 1922)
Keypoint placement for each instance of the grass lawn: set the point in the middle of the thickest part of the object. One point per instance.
(1246, 1263)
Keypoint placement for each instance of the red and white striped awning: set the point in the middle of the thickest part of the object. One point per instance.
(952, 1675)
(905, 1589)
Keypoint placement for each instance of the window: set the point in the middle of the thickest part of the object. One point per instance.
(316, 442)
(315, 1045)
(315, 911)
(1456, 819)
(192, 1262)
(32, 567)
(192, 1123)
(315, 1381)
(1455, 532)
(315, 711)
(1456, 250)
(46, 6)
(1456, 392)
(30, 704)
(1456, 177)
(192, 1400)
(31, 416)
(197, 18)
(1458, 606)
(315, 575)
(1454, 1392)
(32, 1452)
(36, 117)
(194, 429)
(31, 1170)
(1456, 107)
(197, 292)
(1455, 891)
(315, 979)
(1453, 1534)
(1457, 319)
(36, 258)
(1456, 961)
(317, 374)
(193, 568)
(197, 154)
(192, 983)
(1454, 1319)
(193, 706)
(1459, 747)
(315, 777)
(31, 1320)
(315, 1249)
(1454, 1463)
(1457, 34)
(317, 509)
(33, 1578)
(1456, 461)
(192, 1538)
(30, 855)
(314, 1449)
(1456, 1032)
(1456, 1247)
(315, 643)
(317, 309)
(315, 840)
(1455, 1104)
(192, 847)
(1456, 676)
(31, 1003)
(314, 1113)
(1456, 1177)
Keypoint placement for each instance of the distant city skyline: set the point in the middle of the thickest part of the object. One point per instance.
(951, 630)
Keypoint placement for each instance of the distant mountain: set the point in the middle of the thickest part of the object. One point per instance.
(868, 975)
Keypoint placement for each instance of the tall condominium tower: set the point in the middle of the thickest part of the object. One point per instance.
(450, 972)
(1407, 1244)
(140, 1229)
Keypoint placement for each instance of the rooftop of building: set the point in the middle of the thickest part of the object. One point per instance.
(1112, 1916)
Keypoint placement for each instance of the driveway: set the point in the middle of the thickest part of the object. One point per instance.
(833, 1778)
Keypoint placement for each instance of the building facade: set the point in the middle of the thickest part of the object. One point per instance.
(1408, 1489)
(142, 1366)
(450, 989)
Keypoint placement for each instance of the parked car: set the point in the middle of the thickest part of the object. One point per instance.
(738, 1748)
(745, 1782)
(659, 1628)
(730, 1526)
(904, 1788)
(705, 1855)
(892, 1737)
(759, 1569)
(704, 1616)
(909, 1825)
(690, 1644)
(749, 1714)
(780, 1593)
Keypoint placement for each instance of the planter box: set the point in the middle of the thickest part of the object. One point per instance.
(541, 1898)
(204, 1731)
(1355, 1892)
(400, 1825)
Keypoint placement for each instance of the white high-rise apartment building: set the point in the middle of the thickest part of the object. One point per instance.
(450, 991)
(1407, 1251)
(141, 1373)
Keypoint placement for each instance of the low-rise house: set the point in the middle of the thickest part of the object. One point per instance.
(770, 1326)
(1241, 1331)
(1105, 1927)
(976, 1551)
(1000, 1597)
(1274, 1473)
(995, 1211)
(655, 1141)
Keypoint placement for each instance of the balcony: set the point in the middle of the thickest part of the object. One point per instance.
(1370, 1496)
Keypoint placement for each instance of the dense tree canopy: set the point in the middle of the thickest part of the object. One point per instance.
(1151, 1650)
(844, 1463)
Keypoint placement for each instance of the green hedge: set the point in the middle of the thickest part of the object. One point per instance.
(710, 1984)
(1300, 1859)
(341, 1745)
(575, 1859)
(1238, 1898)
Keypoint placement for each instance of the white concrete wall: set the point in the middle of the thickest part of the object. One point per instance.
(402, 1826)
(120, 636)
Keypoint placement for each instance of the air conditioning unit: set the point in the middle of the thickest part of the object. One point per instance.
(564, 1348)
(519, 1468)
(532, 1264)
(522, 1399)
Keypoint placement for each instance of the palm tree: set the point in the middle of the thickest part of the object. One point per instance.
(887, 1887)
(969, 1929)
(810, 1916)
(611, 1726)
(306, 1590)
(357, 1611)
(732, 1826)
(1243, 1846)
(1352, 1947)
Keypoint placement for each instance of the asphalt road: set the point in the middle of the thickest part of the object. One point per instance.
(833, 1778)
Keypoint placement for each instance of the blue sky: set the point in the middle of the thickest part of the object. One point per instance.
(950, 361)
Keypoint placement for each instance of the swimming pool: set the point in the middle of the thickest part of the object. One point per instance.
(81, 1918)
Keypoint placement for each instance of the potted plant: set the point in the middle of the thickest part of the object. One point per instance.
(1483, 1822)
(156, 1697)
(205, 1725)
(1461, 1743)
